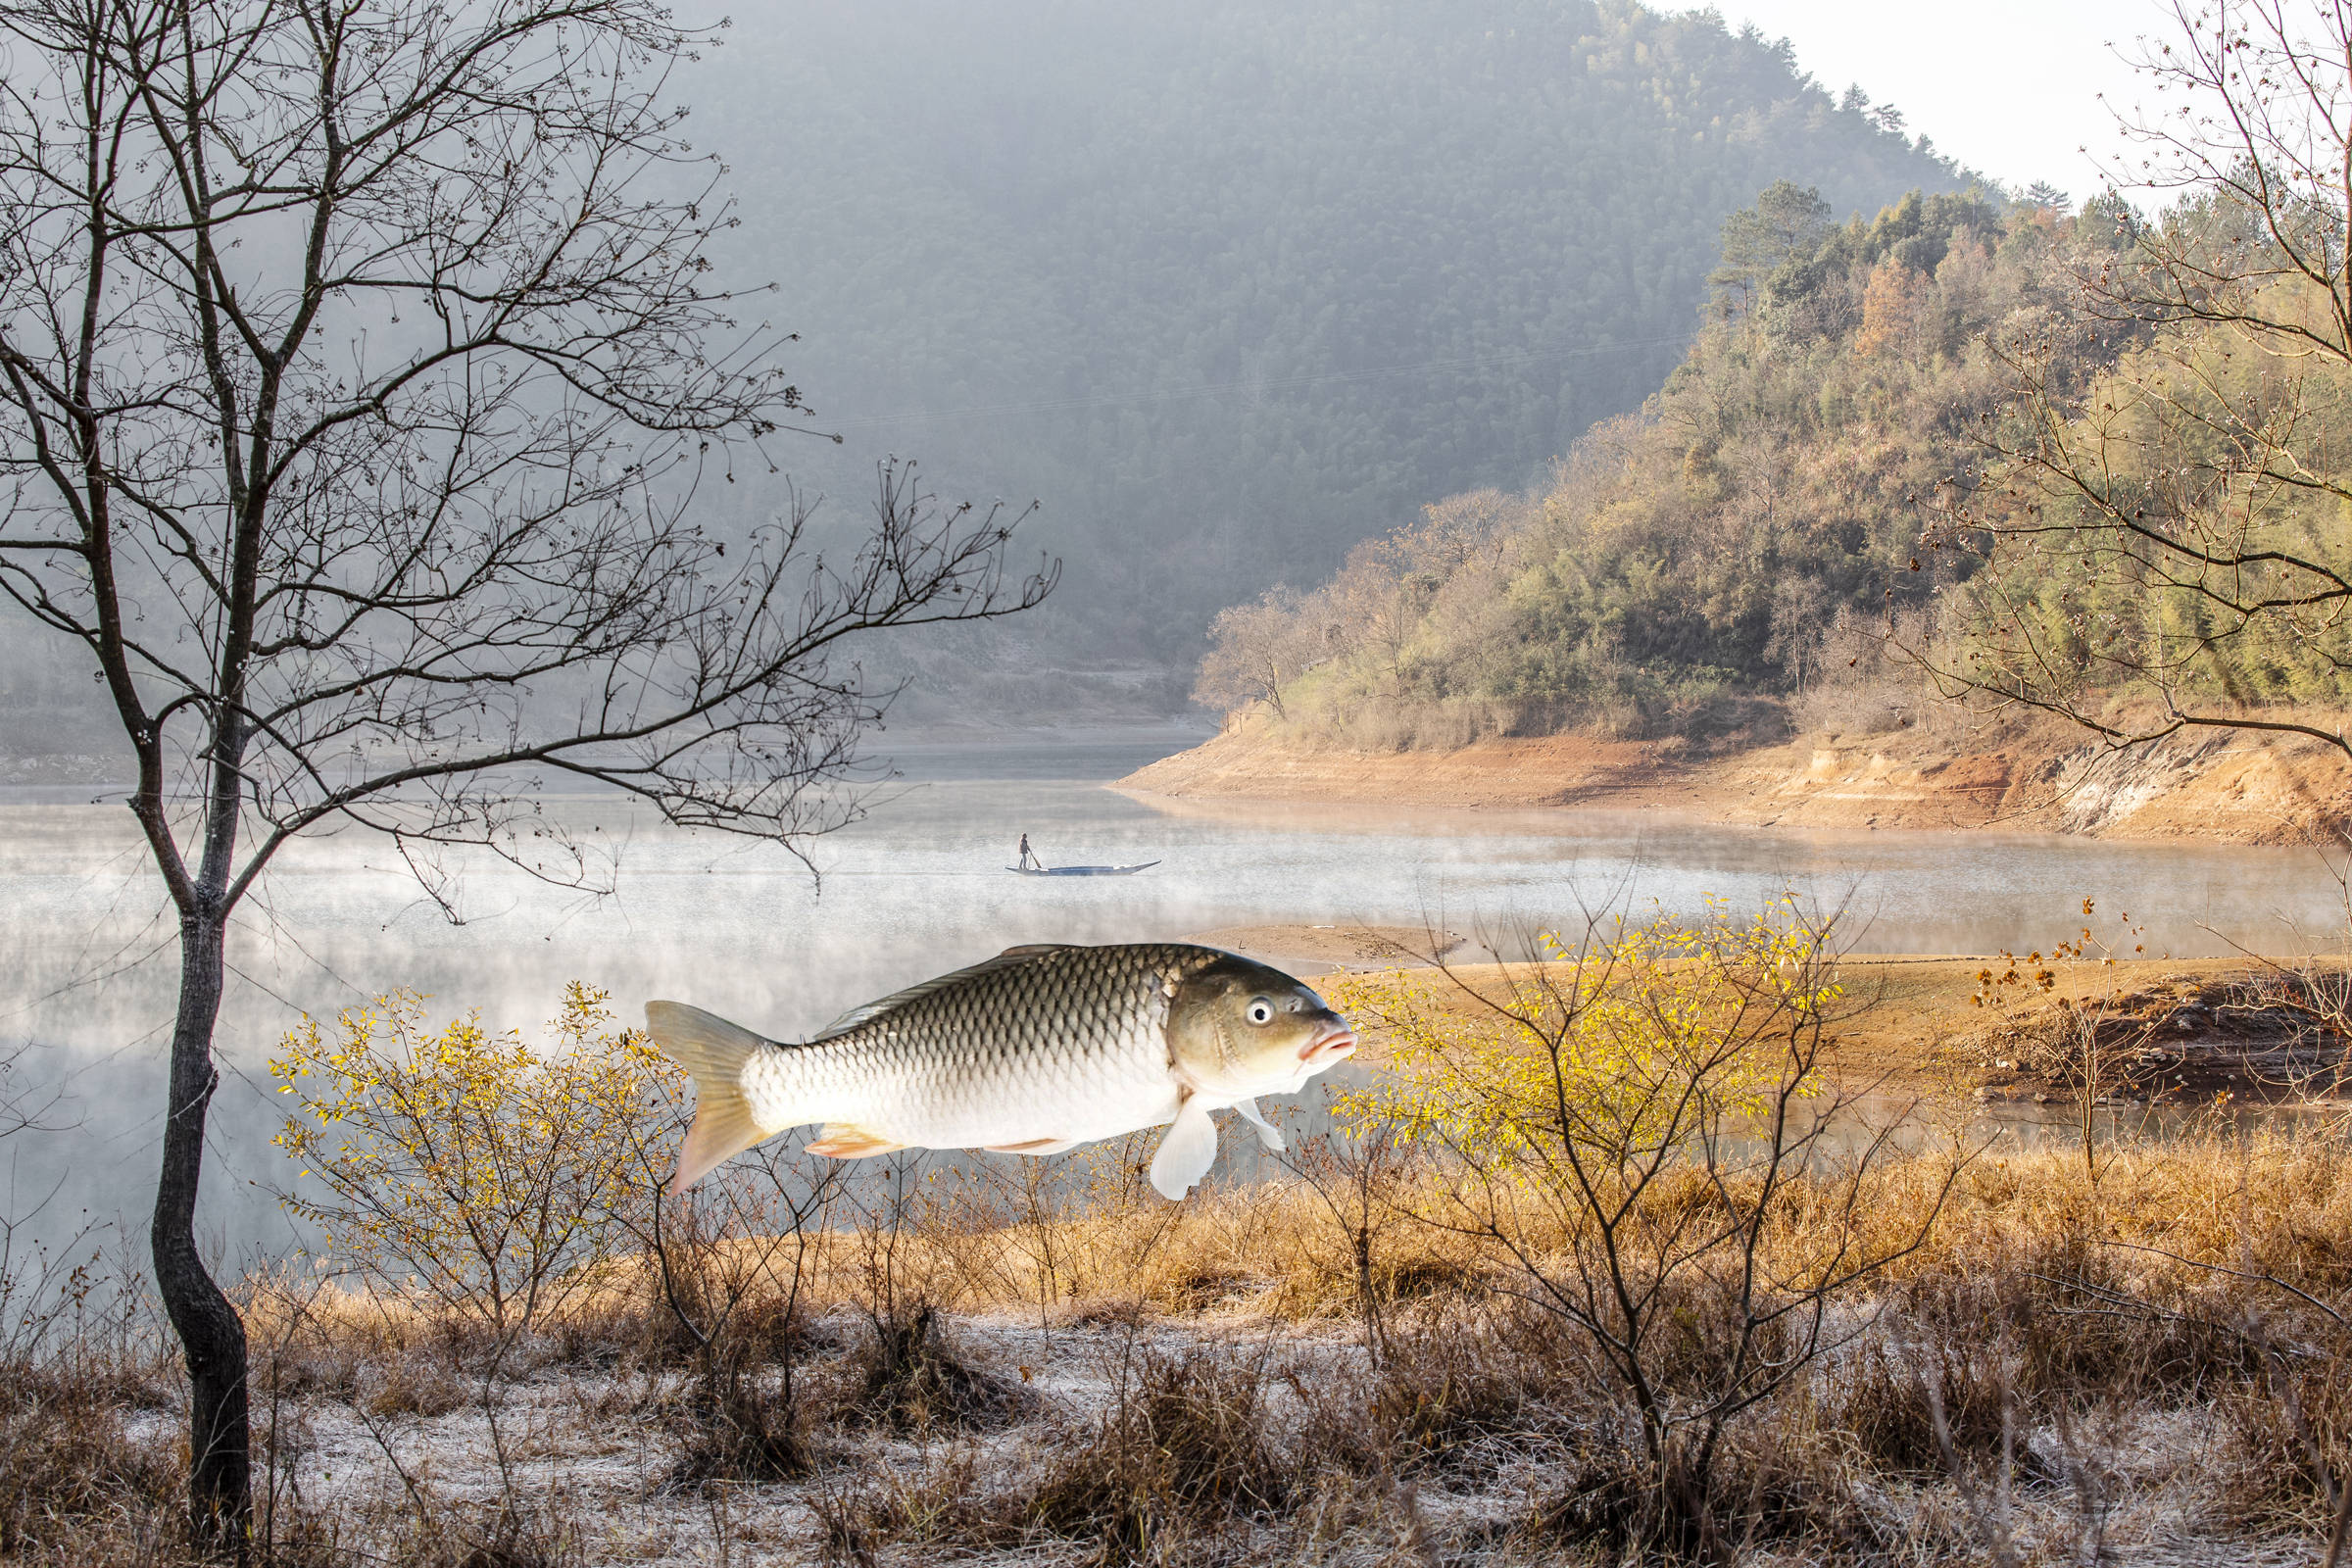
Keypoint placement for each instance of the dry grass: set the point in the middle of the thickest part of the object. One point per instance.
(1195, 1383)
(70, 1464)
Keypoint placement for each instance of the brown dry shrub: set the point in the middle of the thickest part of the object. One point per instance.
(2079, 1325)
(1410, 1277)
(1182, 1456)
(908, 1376)
(735, 1427)
(1184, 1446)
(953, 1500)
(759, 1318)
(413, 1381)
(1775, 1480)
(1455, 1390)
(1201, 1290)
(68, 1458)
(2267, 1477)
(1879, 1398)
(502, 1535)
(315, 1366)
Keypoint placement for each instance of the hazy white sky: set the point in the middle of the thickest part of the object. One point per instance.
(2009, 87)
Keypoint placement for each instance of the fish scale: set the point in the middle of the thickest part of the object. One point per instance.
(969, 1064)
(1032, 1050)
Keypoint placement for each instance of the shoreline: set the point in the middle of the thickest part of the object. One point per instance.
(2222, 787)
(2193, 1028)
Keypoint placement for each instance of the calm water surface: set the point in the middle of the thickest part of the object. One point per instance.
(86, 957)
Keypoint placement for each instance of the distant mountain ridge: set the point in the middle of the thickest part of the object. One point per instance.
(1229, 287)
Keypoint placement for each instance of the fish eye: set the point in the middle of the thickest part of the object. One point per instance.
(1259, 1010)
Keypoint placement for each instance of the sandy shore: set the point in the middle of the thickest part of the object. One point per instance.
(2234, 788)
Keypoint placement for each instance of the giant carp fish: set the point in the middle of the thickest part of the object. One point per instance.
(1034, 1051)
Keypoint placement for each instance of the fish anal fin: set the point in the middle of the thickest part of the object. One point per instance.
(843, 1140)
(1187, 1151)
(1035, 1146)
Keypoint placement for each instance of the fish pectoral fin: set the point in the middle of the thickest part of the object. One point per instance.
(1188, 1151)
(1035, 1146)
(845, 1141)
(1267, 1133)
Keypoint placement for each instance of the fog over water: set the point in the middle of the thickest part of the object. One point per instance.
(918, 888)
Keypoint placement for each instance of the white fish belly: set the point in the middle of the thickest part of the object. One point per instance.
(1020, 1099)
(970, 1100)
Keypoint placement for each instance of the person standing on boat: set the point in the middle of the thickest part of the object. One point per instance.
(1028, 859)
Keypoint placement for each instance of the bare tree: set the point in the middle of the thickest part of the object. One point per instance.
(2168, 532)
(1254, 651)
(1356, 1176)
(358, 364)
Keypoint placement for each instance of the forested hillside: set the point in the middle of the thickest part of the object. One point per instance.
(1226, 286)
(1748, 537)
(1230, 287)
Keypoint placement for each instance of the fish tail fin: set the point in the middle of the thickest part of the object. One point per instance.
(714, 1051)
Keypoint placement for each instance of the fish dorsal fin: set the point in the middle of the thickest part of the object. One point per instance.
(858, 1016)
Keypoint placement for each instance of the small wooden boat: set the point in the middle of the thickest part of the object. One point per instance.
(1081, 870)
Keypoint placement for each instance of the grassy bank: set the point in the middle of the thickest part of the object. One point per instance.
(1616, 1260)
(2179, 1033)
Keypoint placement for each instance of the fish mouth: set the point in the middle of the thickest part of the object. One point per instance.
(1325, 1049)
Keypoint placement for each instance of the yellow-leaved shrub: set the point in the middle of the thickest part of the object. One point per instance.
(1637, 1035)
(466, 1168)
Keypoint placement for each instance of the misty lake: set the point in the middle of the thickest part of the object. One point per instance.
(921, 887)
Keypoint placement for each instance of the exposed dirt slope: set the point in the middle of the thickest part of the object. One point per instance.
(2240, 788)
(1247, 761)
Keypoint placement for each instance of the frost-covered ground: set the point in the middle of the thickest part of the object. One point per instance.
(411, 1462)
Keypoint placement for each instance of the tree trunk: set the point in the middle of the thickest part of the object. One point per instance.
(220, 1466)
